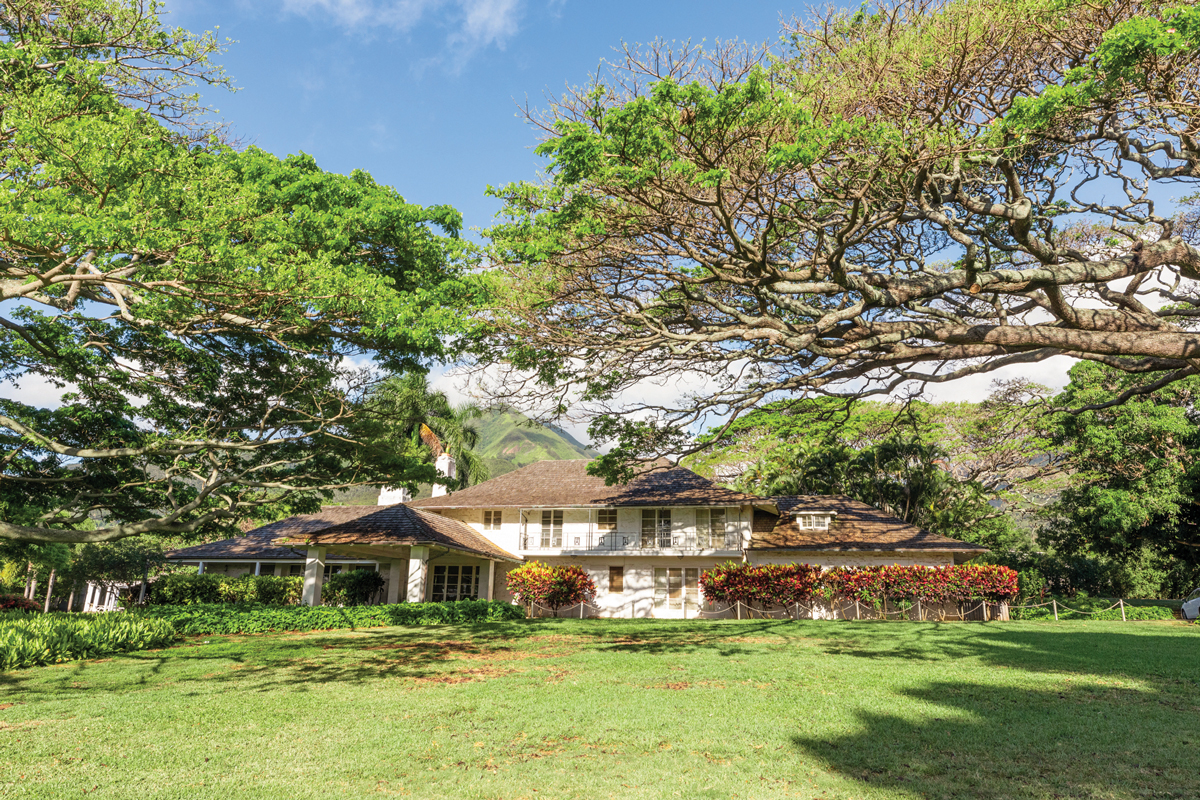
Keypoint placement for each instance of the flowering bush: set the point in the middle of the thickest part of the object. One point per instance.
(552, 587)
(768, 584)
(16, 602)
(785, 584)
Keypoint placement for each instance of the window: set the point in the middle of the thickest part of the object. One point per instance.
(616, 580)
(454, 582)
(491, 520)
(552, 524)
(295, 569)
(656, 527)
(606, 520)
(812, 522)
(673, 586)
(266, 569)
(710, 528)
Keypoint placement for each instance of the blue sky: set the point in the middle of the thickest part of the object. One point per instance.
(422, 93)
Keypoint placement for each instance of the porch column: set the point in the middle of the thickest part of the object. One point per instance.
(491, 592)
(418, 564)
(200, 570)
(394, 576)
(314, 576)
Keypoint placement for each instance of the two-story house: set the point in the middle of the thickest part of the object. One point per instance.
(644, 544)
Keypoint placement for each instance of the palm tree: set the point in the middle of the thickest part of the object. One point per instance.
(425, 421)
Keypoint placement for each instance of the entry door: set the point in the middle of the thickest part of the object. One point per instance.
(673, 587)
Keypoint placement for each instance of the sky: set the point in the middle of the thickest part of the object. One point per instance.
(425, 94)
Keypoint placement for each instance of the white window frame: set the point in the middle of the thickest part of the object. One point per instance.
(813, 521)
(706, 537)
(552, 529)
(492, 520)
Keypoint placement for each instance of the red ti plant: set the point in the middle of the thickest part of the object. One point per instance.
(552, 587)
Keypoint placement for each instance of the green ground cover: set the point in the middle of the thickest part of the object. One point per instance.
(624, 709)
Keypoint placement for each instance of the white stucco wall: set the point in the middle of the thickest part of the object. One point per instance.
(850, 559)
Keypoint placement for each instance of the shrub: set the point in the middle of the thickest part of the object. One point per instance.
(785, 584)
(278, 590)
(17, 602)
(1093, 609)
(353, 588)
(28, 640)
(222, 618)
(552, 587)
(185, 588)
(190, 588)
(766, 584)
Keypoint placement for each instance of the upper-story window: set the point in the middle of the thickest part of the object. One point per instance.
(710, 528)
(656, 527)
(492, 520)
(606, 520)
(813, 522)
(552, 528)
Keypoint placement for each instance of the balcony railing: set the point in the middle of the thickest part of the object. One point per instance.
(631, 541)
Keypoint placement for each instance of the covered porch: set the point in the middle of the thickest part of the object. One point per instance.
(422, 556)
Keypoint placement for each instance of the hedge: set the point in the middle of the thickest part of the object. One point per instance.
(29, 640)
(786, 584)
(224, 618)
(1093, 608)
(191, 588)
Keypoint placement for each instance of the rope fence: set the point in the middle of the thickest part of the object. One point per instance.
(981, 610)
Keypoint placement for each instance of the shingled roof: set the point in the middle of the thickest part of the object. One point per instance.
(259, 544)
(401, 525)
(856, 526)
(564, 484)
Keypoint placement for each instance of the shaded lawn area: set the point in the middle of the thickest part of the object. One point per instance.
(624, 709)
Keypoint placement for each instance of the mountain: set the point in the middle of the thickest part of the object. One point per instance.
(507, 441)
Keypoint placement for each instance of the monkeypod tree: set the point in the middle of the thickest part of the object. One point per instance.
(913, 192)
(199, 307)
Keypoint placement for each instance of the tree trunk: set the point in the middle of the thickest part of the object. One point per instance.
(29, 582)
(71, 597)
(49, 589)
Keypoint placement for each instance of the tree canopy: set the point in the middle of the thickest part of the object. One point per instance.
(907, 194)
(1136, 471)
(201, 307)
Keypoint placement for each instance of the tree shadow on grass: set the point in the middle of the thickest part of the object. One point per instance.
(1145, 650)
(971, 740)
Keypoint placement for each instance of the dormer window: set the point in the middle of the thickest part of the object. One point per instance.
(813, 522)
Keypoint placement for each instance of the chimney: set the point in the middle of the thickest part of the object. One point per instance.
(389, 496)
(445, 465)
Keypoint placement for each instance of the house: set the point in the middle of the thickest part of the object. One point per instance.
(644, 544)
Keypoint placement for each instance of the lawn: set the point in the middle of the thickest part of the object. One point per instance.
(624, 709)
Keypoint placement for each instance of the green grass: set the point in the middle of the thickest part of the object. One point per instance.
(624, 709)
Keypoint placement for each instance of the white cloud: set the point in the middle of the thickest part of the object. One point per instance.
(34, 390)
(473, 24)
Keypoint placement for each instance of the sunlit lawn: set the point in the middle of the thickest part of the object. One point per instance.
(591, 709)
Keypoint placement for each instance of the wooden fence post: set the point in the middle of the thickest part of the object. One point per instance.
(1054, 603)
(1122, 602)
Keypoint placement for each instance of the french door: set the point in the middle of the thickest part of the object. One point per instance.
(676, 591)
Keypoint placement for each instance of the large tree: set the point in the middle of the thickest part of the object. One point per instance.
(914, 193)
(202, 308)
(1136, 472)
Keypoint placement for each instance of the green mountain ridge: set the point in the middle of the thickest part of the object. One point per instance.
(507, 441)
